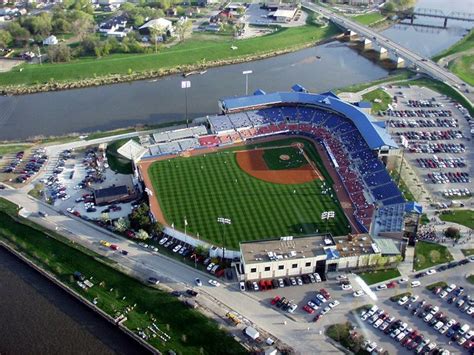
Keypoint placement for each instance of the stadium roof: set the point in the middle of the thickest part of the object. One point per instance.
(375, 136)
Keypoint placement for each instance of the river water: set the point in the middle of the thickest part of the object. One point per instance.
(37, 317)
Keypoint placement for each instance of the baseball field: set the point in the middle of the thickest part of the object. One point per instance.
(268, 189)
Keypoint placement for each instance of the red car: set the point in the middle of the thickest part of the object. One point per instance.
(308, 309)
(130, 234)
(114, 247)
(316, 318)
(275, 300)
(392, 284)
(325, 293)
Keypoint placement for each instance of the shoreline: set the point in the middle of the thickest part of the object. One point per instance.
(153, 74)
(50, 277)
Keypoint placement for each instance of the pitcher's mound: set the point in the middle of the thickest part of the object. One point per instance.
(284, 157)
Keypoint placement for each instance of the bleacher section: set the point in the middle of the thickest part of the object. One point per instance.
(389, 219)
(363, 175)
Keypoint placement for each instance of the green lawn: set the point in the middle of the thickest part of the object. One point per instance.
(470, 278)
(440, 284)
(467, 252)
(463, 67)
(369, 19)
(117, 162)
(464, 44)
(190, 52)
(373, 277)
(190, 331)
(430, 254)
(407, 194)
(13, 148)
(379, 99)
(464, 217)
(401, 74)
(203, 188)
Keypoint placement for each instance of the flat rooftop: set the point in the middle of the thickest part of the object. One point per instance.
(285, 248)
(351, 245)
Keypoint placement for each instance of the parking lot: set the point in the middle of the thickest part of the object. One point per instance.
(437, 139)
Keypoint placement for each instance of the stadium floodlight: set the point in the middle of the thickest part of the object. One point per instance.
(186, 84)
(246, 73)
(223, 221)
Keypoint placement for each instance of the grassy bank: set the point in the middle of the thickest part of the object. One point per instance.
(463, 68)
(190, 332)
(379, 99)
(117, 162)
(463, 217)
(466, 43)
(369, 19)
(441, 88)
(191, 52)
(407, 194)
(374, 277)
(13, 148)
(395, 76)
(430, 254)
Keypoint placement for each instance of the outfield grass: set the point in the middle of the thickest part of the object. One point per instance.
(369, 19)
(379, 99)
(190, 331)
(430, 254)
(463, 217)
(464, 44)
(203, 188)
(463, 67)
(374, 277)
(190, 52)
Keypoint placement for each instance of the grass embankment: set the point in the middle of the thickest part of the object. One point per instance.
(424, 219)
(401, 74)
(369, 19)
(467, 252)
(379, 98)
(342, 334)
(441, 284)
(407, 194)
(463, 67)
(442, 88)
(430, 254)
(13, 148)
(396, 298)
(463, 217)
(190, 331)
(373, 277)
(205, 187)
(465, 44)
(117, 162)
(191, 52)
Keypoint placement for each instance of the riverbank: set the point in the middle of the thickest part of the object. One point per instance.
(114, 292)
(182, 58)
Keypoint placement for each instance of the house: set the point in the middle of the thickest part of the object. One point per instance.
(284, 14)
(113, 24)
(113, 194)
(163, 23)
(171, 12)
(204, 3)
(50, 41)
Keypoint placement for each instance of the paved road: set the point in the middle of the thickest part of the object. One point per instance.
(425, 65)
(145, 263)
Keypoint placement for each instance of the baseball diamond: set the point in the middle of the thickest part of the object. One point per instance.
(287, 198)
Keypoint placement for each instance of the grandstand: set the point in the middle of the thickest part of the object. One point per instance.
(354, 143)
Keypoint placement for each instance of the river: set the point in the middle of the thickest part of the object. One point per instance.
(37, 317)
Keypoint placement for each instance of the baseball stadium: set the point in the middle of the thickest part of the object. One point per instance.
(274, 165)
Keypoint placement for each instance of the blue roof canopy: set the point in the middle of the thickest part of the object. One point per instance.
(375, 136)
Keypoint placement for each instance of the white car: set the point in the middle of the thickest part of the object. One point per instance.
(292, 308)
(176, 248)
(443, 294)
(371, 347)
(403, 300)
(428, 317)
(163, 241)
(378, 323)
(334, 303)
(198, 282)
(312, 305)
(415, 284)
(451, 288)
(70, 210)
(414, 298)
(242, 286)
(346, 287)
(444, 329)
(403, 280)
(321, 297)
(358, 293)
(381, 287)
(210, 266)
(341, 277)
(214, 283)
(430, 272)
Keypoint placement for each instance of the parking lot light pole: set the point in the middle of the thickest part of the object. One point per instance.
(246, 73)
(223, 221)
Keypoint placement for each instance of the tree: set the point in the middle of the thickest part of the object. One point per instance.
(140, 218)
(142, 235)
(452, 232)
(61, 53)
(61, 25)
(183, 27)
(5, 38)
(82, 23)
(157, 31)
(38, 25)
(20, 35)
(121, 225)
(105, 217)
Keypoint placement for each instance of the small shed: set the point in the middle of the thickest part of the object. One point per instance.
(50, 41)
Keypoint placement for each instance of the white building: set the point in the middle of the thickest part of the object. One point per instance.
(289, 256)
(50, 41)
(163, 23)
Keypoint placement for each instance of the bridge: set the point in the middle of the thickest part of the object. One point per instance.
(453, 15)
(422, 64)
